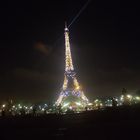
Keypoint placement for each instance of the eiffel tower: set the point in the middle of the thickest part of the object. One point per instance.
(70, 86)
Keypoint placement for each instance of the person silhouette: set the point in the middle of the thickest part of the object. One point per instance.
(3, 113)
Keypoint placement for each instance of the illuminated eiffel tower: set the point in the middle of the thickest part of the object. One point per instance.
(70, 86)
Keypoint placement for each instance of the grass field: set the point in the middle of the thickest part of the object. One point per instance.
(111, 123)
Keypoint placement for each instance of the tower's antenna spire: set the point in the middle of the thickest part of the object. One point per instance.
(65, 24)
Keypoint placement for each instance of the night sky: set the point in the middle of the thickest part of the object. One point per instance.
(104, 42)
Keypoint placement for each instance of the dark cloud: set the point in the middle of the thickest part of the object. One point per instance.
(43, 48)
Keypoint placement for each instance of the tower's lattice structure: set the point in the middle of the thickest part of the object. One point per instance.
(70, 84)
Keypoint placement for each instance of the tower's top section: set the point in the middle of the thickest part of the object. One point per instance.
(68, 57)
(66, 28)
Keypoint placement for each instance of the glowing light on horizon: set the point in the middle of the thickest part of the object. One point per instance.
(129, 96)
(77, 103)
(3, 105)
(66, 104)
(90, 104)
(137, 97)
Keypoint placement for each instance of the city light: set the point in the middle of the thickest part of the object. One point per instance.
(66, 104)
(129, 96)
(137, 98)
(31, 107)
(77, 103)
(96, 100)
(3, 105)
(90, 104)
(76, 106)
(13, 106)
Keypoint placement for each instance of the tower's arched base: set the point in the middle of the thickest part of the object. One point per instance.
(73, 103)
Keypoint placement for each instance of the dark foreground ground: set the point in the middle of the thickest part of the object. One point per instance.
(120, 123)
